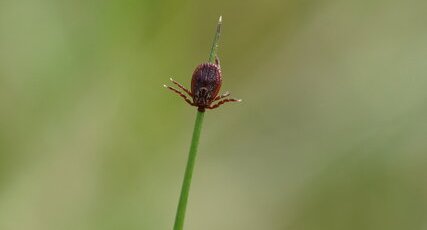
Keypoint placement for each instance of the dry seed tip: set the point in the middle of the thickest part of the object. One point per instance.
(240, 100)
(220, 19)
(171, 79)
(165, 86)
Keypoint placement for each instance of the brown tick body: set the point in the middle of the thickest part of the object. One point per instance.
(205, 85)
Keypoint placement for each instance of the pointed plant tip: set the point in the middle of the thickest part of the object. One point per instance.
(240, 100)
(220, 19)
(171, 79)
(165, 86)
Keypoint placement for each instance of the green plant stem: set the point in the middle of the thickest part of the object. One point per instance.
(182, 205)
(215, 41)
(185, 190)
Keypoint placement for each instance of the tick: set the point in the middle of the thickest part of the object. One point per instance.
(205, 85)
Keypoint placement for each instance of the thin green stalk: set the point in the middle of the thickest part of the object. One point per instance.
(182, 205)
(215, 41)
(180, 214)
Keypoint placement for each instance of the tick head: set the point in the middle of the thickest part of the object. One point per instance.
(203, 97)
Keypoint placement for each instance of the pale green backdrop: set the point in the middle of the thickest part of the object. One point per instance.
(331, 133)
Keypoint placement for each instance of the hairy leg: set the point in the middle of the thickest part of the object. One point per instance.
(179, 93)
(181, 87)
(219, 97)
(222, 102)
(217, 61)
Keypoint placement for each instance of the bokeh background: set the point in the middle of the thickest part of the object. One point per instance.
(331, 133)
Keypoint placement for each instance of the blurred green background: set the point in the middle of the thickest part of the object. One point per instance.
(331, 133)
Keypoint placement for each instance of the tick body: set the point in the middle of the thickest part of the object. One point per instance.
(205, 85)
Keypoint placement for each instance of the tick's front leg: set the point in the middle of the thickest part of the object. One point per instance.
(217, 61)
(179, 93)
(181, 87)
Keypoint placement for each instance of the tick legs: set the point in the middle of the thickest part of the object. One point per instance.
(222, 102)
(181, 87)
(180, 94)
(217, 61)
(219, 97)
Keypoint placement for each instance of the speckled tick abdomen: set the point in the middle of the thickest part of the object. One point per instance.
(205, 84)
